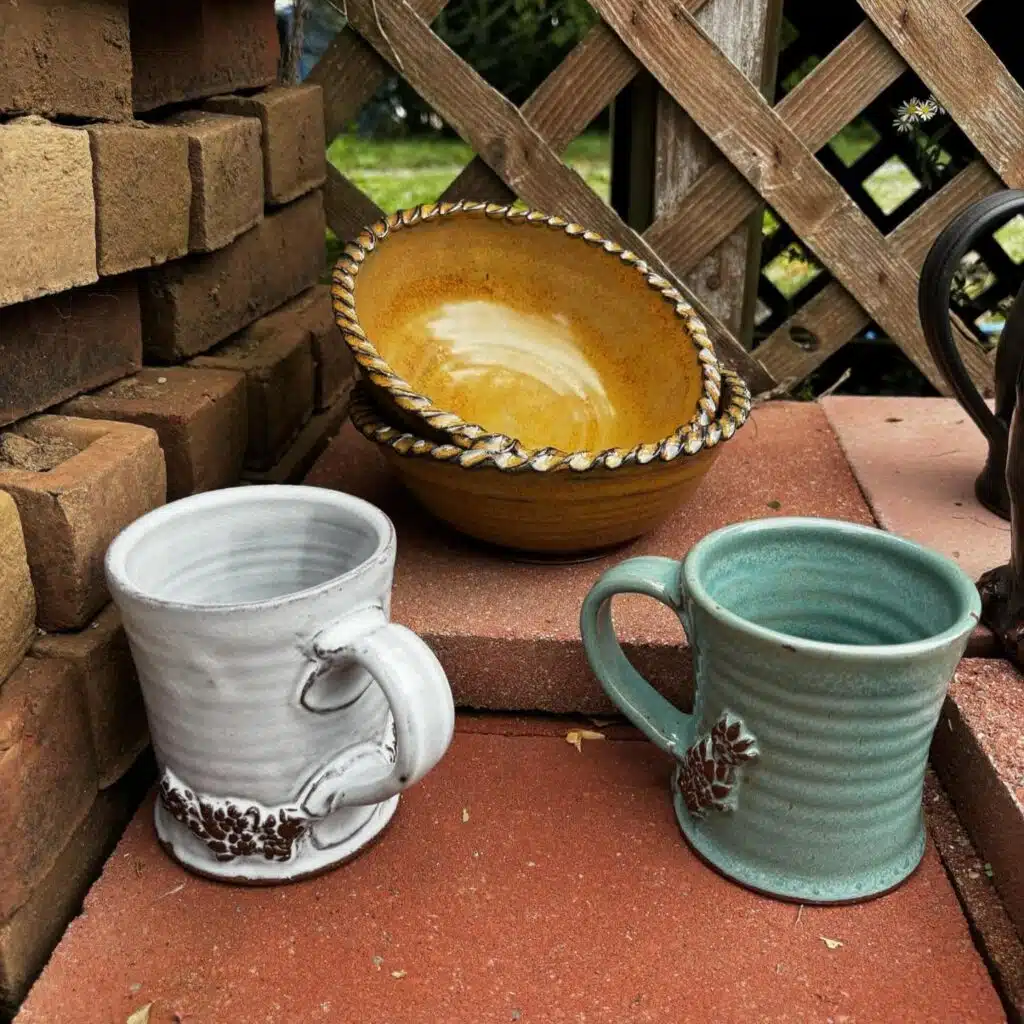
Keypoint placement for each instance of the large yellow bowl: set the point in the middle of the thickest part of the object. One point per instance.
(479, 325)
(549, 503)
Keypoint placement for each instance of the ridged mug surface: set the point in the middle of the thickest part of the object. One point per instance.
(226, 598)
(822, 654)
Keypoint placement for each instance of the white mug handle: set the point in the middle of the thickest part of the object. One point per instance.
(422, 709)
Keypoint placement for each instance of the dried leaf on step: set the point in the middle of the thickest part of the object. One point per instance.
(831, 943)
(465, 815)
(577, 736)
(398, 974)
(141, 1015)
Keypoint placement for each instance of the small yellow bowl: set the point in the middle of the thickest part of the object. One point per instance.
(553, 503)
(482, 325)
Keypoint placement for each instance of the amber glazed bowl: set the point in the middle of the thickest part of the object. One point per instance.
(481, 325)
(548, 503)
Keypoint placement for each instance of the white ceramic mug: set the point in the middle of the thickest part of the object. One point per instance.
(287, 712)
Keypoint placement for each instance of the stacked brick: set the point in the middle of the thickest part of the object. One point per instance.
(163, 331)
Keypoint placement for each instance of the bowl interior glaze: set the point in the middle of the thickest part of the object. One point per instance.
(530, 332)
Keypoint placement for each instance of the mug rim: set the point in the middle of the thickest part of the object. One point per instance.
(958, 581)
(121, 547)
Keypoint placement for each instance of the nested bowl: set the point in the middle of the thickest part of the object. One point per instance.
(550, 503)
(481, 325)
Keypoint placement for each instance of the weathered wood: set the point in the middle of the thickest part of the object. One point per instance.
(500, 133)
(350, 71)
(597, 69)
(589, 78)
(682, 151)
(774, 160)
(852, 76)
(348, 209)
(291, 53)
(969, 80)
(833, 316)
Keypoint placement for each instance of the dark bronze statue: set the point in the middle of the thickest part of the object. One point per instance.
(943, 261)
(1000, 486)
(1002, 589)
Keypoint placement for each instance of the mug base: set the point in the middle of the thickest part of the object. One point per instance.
(182, 847)
(792, 888)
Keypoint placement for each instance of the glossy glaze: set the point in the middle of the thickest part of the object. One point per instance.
(548, 504)
(831, 645)
(279, 696)
(471, 321)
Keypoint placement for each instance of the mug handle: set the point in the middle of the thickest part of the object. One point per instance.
(422, 709)
(661, 578)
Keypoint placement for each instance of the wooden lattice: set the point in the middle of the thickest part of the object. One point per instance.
(766, 153)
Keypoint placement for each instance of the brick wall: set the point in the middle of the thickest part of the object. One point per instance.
(163, 331)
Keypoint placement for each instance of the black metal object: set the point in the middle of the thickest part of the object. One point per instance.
(1000, 486)
(964, 234)
(1002, 589)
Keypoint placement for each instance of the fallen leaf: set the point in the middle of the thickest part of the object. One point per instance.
(831, 943)
(398, 974)
(577, 736)
(141, 1015)
(465, 815)
(378, 961)
(775, 504)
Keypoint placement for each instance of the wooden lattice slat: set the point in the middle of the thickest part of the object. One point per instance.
(590, 77)
(854, 74)
(506, 140)
(950, 56)
(350, 71)
(751, 134)
(833, 316)
(347, 207)
(724, 276)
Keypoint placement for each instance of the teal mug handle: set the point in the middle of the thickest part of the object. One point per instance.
(661, 578)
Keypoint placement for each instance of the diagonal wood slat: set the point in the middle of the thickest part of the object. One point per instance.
(727, 277)
(834, 316)
(852, 76)
(348, 209)
(513, 149)
(774, 160)
(350, 71)
(952, 58)
(590, 77)
(597, 69)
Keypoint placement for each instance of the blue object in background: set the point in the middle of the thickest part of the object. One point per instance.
(323, 23)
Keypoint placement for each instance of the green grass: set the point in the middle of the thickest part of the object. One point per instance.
(399, 173)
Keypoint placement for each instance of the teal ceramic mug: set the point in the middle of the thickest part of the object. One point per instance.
(822, 652)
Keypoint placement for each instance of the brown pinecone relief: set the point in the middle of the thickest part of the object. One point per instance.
(232, 831)
(706, 775)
